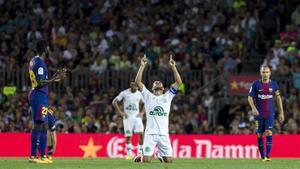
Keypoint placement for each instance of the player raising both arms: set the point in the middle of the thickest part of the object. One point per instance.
(157, 107)
(132, 116)
(261, 100)
(38, 100)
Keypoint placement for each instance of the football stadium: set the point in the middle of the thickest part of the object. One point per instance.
(150, 84)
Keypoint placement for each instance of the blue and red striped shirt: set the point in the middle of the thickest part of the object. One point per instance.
(263, 96)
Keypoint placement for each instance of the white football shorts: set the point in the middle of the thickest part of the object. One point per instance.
(133, 125)
(162, 142)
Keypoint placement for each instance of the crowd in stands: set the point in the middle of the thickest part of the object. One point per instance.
(214, 37)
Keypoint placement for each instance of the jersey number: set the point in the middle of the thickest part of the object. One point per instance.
(34, 83)
(44, 111)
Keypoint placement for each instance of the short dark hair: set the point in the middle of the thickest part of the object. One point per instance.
(41, 46)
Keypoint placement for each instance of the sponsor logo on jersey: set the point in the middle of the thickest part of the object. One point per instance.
(158, 111)
(147, 149)
(131, 107)
(265, 96)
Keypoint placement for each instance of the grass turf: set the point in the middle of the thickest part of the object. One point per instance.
(101, 163)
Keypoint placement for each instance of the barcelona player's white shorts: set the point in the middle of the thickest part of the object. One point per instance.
(162, 142)
(133, 124)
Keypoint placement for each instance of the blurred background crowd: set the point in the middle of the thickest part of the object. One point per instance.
(215, 37)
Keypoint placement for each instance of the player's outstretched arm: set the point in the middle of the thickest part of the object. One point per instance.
(177, 77)
(280, 107)
(58, 76)
(251, 103)
(139, 76)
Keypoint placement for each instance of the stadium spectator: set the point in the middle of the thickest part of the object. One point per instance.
(296, 16)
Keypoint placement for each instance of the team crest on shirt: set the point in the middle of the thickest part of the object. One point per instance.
(147, 149)
(131, 107)
(270, 90)
(40, 71)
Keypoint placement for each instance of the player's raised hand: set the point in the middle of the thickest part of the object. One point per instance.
(144, 60)
(172, 62)
(56, 76)
(51, 109)
(60, 74)
(63, 73)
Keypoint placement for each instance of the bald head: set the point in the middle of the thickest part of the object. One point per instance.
(265, 73)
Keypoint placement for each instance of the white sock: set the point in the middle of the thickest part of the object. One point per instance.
(128, 149)
(140, 149)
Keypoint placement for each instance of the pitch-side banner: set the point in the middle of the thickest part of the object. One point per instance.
(184, 146)
(240, 85)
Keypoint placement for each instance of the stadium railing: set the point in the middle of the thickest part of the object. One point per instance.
(83, 79)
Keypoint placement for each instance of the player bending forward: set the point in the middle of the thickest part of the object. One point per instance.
(157, 107)
(132, 116)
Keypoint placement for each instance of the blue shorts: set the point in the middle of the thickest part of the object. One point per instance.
(38, 102)
(263, 124)
(51, 122)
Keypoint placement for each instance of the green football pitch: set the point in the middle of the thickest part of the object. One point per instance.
(76, 163)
